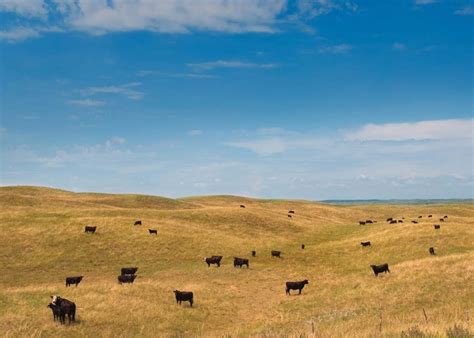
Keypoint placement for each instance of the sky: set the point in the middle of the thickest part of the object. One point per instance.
(297, 99)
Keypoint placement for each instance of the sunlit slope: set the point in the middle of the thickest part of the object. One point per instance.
(42, 241)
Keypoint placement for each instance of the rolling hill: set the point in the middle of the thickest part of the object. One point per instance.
(42, 241)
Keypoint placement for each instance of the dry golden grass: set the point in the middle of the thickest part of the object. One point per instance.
(42, 241)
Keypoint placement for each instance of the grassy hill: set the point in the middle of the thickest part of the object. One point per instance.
(42, 241)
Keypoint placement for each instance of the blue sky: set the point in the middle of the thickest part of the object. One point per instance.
(313, 99)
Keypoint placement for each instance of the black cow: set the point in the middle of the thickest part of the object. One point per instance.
(400, 221)
(213, 260)
(295, 286)
(302, 246)
(153, 231)
(238, 262)
(56, 311)
(369, 221)
(90, 229)
(128, 271)
(441, 219)
(389, 219)
(242, 206)
(361, 223)
(254, 253)
(437, 226)
(380, 268)
(414, 222)
(64, 307)
(289, 215)
(394, 221)
(445, 217)
(430, 215)
(420, 216)
(291, 212)
(138, 222)
(365, 243)
(184, 296)
(73, 280)
(432, 252)
(126, 279)
(276, 253)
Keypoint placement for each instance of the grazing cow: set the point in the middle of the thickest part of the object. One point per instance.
(430, 215)
(302, 246)
(128, 271)
(289, 215)
(276, 253)
(380, 268)
(445, 217)
(138, 222)
(389, 219)
(242, 206)
(238, 262)
(254, 253)
(153, 231)
(365, 243)
(437, 226)
(441, 219)
(414, 222)
(369, 221)
(291, 212)
(126, 279)
(90, 229)
(56, 311)
(184, 296)
(64, 307)
(432, 252)
(213, 260)
(73, 280)
(295, 286)
(420, 216)
(400, 221)
(393, 221)
(361, 223)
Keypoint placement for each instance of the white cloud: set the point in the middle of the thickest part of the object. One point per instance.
(424, 2)
(195, 132)
(423, 130)
(87, 102)
(174, 16)
(204, 66)
(262, 147)
(274, 131)
(171, 16)
(29, 8)
(468, 10)
(125, 90)
(310, 9)
(398, 46)
(115, 141)
(144, 73)
(271, 141)
(336, 49)
(18, 34)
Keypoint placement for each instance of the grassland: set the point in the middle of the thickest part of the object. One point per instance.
(42, 241)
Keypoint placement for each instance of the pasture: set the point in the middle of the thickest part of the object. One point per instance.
(42, 241)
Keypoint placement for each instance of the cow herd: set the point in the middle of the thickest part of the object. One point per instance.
(384, 267)
(62, 308)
